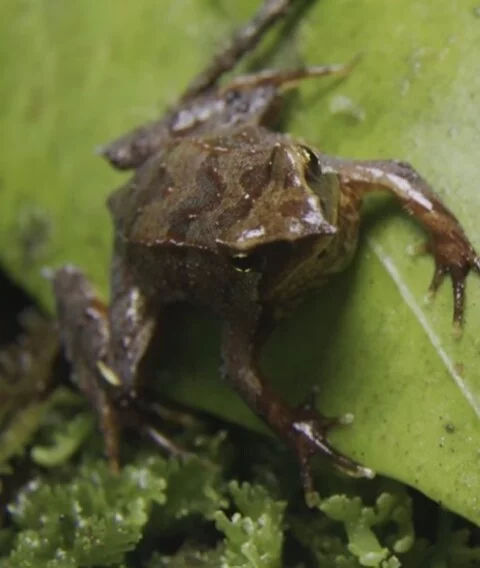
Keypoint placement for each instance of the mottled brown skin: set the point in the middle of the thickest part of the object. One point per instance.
(224, 213)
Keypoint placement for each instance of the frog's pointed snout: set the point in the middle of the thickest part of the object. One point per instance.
(327, 229)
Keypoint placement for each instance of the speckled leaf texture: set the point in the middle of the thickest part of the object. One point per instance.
(76, 74)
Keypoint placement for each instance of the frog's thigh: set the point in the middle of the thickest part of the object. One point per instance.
(84, 329)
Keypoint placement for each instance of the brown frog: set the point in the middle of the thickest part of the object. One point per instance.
(223, 212)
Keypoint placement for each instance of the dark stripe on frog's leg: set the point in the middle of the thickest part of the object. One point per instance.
(452, 251)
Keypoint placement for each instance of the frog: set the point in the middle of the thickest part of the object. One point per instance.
(226, 213)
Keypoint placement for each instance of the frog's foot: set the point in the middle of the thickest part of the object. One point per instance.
(454, 255)
(301, 428)
(308, 435)
(137, 415)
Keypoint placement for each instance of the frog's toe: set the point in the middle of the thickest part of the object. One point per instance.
(137, 415)
(136, 419)
(454, 256)
(458, 267)
(163, 442)
(309, 432)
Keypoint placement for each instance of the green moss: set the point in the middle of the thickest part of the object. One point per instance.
(159, 513)
(254, 533)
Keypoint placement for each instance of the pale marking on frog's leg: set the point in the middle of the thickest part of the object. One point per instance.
(244, 40)
(162, 441)
(452, 251)
(286, 78)
(132, 323)
(110, 377)
(432, 336)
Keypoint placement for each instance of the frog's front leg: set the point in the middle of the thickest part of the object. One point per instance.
(451, 248)
(302, 428)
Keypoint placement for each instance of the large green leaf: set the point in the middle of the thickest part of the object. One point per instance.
(75, 74)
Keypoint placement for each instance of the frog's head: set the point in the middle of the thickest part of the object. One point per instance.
(295, 211)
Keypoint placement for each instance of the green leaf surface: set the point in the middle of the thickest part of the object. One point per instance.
(75, 75)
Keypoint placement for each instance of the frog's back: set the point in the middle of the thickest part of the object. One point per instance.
(202, 191)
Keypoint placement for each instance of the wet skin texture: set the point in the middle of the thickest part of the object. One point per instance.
(224, 213)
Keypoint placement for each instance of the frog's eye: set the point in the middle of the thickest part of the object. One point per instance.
(312, 166)
(242, 262)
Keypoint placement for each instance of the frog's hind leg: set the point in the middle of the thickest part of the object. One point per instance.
(252, 99)
(132, 149)
(452, 251)
(200, 108)
(244, 40)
